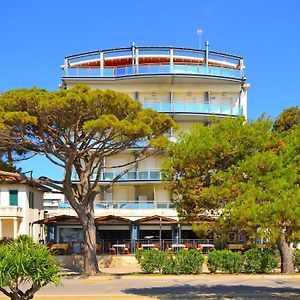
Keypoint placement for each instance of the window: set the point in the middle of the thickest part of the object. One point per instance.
(13, 197)
(31, 200)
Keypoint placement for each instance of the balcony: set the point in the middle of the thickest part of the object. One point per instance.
(137, 175)
(195, 108)
(10, 211)
(152, 70)
(126, 204)
(135, 205)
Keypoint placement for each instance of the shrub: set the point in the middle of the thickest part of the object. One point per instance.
(269, 261)
(253, 261)
(189, 262)
(215, 261)
(257, 261)
(225, 261)
(297, 259)
(23, 261)
(150, 260)
(169, 263)
(234, 262)
(181, 262)
(5, 241)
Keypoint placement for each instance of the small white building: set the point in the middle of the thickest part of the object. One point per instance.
(21, 204)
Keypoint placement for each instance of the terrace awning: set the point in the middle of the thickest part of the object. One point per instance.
(113, 220)
(156, 220)
(58, 219)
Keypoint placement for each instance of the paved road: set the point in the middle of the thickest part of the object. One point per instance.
(175, 287)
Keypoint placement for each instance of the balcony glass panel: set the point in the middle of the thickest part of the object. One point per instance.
(143, 175)
(131, 175)
(215, 109)
(195, 108)
(155, 175)
(108, 176)
(152, 69)
(108, 72)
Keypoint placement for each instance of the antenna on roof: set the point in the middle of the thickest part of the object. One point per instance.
(199, 33)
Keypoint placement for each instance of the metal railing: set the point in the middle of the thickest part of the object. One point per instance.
(125, 204)
(164, 60)
(136, 175)
(135, 204)
(152, 70)
(203, 108)
(107, 246)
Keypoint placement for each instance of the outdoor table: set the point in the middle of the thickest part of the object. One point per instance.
(178, 246)
(235, 247)
(147, 246)
(119, 247)
(64, 247)
(262, 246)
(206, 247)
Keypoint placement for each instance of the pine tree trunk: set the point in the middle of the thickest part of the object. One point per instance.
(89, 252)
(286, 254)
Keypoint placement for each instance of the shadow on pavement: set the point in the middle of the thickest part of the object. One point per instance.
(241, 292)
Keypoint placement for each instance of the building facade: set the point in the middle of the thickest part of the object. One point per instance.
(21, 204)
(190, 85)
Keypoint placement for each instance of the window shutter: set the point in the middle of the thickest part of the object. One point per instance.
(13, 197)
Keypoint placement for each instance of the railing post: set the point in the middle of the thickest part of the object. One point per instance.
(101, 64)
(136, 71)
(206, 53)
(171, 60)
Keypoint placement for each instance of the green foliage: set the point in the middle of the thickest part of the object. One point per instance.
(24, 238)
(288, 119)
(151, 260)
(23, 261)
(168, 262)
(246, 172)
(252, 261)
(257, 261)
(189, 261)
(297, 259)
(5, 241)
(215, 261)
(225, 261)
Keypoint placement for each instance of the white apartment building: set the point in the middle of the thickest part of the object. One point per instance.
(21, 204)
(190, 85)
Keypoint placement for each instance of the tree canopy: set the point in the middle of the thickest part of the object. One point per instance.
(76, 129)
(246, 173)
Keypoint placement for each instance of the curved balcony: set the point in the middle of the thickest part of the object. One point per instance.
(136, 175)
(152, 70)
(195, 108)
(141, 61)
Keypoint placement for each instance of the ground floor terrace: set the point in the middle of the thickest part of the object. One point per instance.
(118, 235)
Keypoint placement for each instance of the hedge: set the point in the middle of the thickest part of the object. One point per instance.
(225, 261)
(252, 261)
(257, 261)
(167, 262)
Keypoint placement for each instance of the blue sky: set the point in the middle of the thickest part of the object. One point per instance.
(36, 36)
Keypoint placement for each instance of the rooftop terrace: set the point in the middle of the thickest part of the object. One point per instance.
(150, 61)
